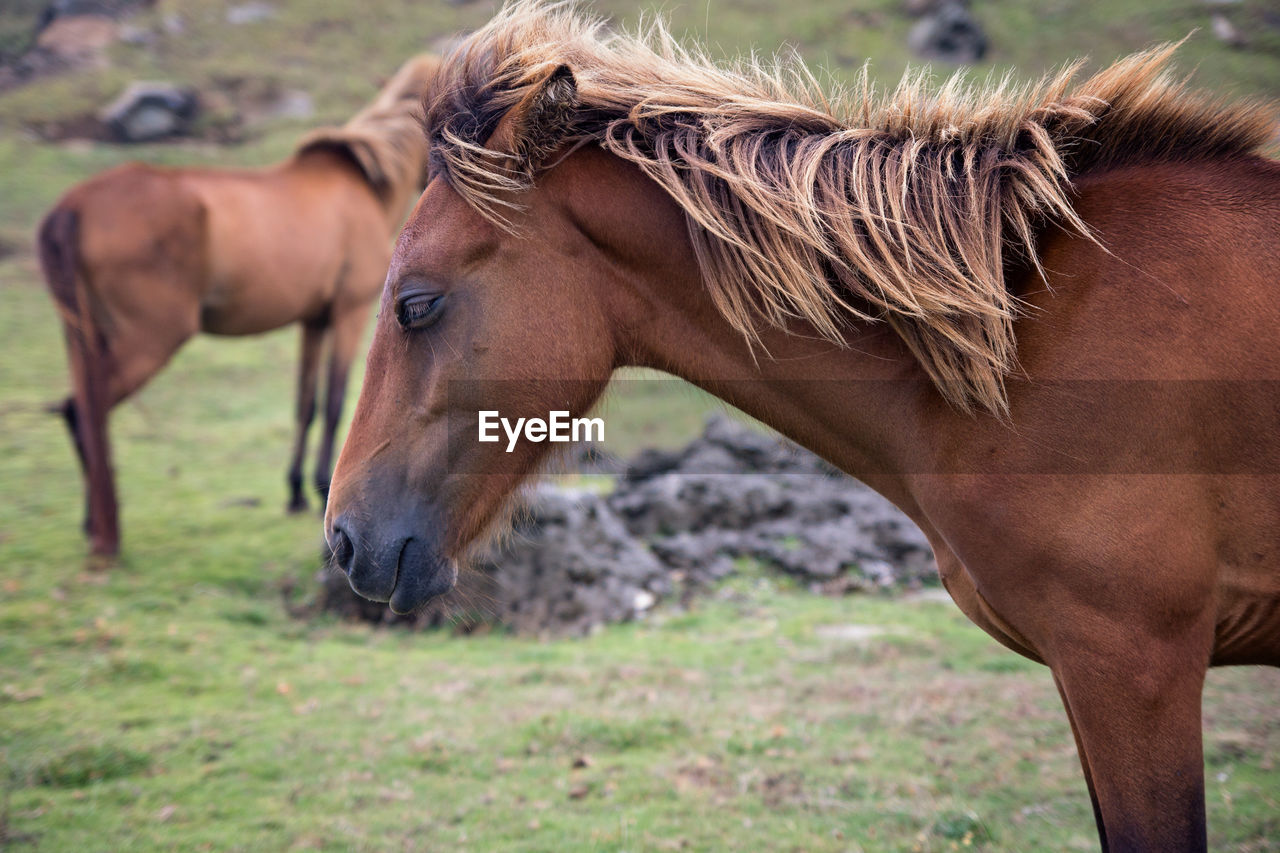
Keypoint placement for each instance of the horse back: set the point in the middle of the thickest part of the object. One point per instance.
(1180, 280)
(289, 243)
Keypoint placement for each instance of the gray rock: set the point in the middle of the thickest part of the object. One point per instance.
(785, 508)
(570, 553)
(250, 13)
(1226, 32)
(147, 111)
(948, 33)
(137, 36)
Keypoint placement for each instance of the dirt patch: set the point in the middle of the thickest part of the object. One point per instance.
(705, 774)
(779, 790)
(65, 35)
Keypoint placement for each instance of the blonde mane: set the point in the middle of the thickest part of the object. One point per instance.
(828, 207)
(385, 138)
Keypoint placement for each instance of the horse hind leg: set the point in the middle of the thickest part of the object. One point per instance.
(58, 243)
(92, 406)
(71, 417)
(313, 334)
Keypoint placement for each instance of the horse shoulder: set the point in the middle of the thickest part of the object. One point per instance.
(1056, 505)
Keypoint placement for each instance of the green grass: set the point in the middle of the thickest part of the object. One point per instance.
(339, 55)
(172, 703)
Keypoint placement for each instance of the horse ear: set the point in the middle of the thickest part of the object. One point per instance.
(537, 125)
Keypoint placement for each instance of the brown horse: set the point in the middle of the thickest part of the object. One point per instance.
(139, 259)
(855, 271)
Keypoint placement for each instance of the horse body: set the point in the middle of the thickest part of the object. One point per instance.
(310, 276)
(1054, 490)
(140, 258)
(1105, 503)
(1157, 344)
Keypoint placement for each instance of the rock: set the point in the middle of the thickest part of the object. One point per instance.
(571, 553)
(1226, 32)
(250, 13)
(293, 104)
(727, 447)
(148, 111)
(735, 492)
(132, 34)
(284, 104)
(948, 33)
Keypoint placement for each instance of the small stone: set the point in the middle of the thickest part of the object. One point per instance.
(250, 13)
(1226, 32)
(949, 33)
(146, 111)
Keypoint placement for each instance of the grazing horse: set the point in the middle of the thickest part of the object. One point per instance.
(1042, 321)
(139, 259)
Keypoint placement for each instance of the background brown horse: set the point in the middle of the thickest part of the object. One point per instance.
(1103, 499)
(139, 259)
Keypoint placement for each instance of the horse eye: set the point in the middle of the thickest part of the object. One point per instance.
(419, 310)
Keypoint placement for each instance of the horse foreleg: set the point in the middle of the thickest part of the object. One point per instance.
(1084, 765)
(308, 371)
(1134, 702)
(347, 330)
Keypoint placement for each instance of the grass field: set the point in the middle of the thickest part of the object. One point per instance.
(174, 704)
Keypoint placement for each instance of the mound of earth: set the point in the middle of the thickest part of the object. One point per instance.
(676, 520)
(734, 493)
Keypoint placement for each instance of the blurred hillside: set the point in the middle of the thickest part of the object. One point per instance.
(267, 69)
(173, 703)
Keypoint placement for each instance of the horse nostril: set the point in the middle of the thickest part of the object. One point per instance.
(343, 551)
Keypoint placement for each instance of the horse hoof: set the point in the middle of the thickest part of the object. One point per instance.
(296, 506)
(101, 560)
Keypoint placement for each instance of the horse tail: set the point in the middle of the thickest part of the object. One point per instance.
(90, 361)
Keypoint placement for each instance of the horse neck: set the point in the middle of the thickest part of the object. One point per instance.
(397, 200)
(394, 200)
(862, 406)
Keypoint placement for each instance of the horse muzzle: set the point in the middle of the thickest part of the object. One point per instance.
(401, 566)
